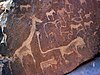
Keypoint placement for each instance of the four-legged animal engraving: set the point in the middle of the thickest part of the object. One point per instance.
(27, 42)
(88, 24)
(51, 13)
(78, 43)
(48, 63)
(25, 6)
(72, 26)
(88, 15)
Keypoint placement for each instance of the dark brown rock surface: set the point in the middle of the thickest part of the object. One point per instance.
(52, 37)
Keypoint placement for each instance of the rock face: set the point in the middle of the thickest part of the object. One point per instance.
(52, 37)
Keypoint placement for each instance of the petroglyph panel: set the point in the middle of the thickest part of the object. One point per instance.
(52, 34)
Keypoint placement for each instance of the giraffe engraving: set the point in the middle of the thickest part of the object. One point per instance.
(27, 42)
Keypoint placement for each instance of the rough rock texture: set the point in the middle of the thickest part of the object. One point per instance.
(52, 37)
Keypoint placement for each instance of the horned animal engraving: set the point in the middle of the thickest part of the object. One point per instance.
(25, 6)
(50, 14)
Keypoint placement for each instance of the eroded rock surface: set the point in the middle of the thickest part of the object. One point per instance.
(52, 37)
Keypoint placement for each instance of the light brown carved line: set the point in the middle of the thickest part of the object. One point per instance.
(72, 26)
(80, 17)
(25, 6)
(61, 14)
(50, 14)
(88, 23)
(60, 29)
(83, 1)
(68, 33)
(78, 42)
(70, 7)
(87, 15)
(22, 16)
(67, 2)
(27, 42)
(77, 21)
(48, 63)
(55, 22)
(9, 64)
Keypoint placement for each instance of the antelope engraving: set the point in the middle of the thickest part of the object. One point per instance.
(87, 24)
(25, 6)
(50, 14)
(48, 63)
(72, 26)
(88, 15)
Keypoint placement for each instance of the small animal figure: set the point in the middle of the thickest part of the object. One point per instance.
(72, 26)
(88, 24)
(25, 6)
(50, 14)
